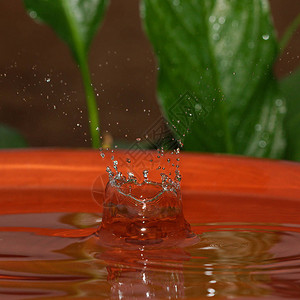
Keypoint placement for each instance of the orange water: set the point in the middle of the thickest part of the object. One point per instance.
(56, 254)
(144, 215)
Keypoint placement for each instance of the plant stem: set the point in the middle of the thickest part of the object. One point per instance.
(289, 33)
(91, 103)
(81, 58)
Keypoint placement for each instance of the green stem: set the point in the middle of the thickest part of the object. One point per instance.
(91, 103)
(81, 57)
(289, 33)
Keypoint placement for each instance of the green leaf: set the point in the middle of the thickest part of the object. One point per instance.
(290, 89)
(215, 65)
(75, 21)
(10, 138)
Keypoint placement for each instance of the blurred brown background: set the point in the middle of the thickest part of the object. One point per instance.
(52, 113)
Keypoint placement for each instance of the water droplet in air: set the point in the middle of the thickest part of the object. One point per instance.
(258, 127)
(198, 107)
(216, 36)
(145, 173)
(278, 102)
(216, 27)
(262, 144)
(33, 14)
(266, 37)
(130, 175)
(116, 165)
(212, 19)
(222, 20)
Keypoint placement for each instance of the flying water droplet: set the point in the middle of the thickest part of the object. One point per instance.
(109, 171)
(266, 37)
(178, 176)
(198, 107)
(278, 102)
(222, 20)
(130, 175)
(116, 165)
(216, 36)
(216, 27)
(212, 19)
(145, 173)
(33, 14)
(258, 127)
(262, 144)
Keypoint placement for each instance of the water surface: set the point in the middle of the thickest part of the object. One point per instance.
(49, 255)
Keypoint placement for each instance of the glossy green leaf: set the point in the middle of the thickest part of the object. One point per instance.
(75, 21)
(10, 138)
(215, 81)
(291, 90)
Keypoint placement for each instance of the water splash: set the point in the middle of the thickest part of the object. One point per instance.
(125, 184)
(138, 210)
(122, 171)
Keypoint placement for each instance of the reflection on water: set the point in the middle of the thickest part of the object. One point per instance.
(45, 256)
(145, 274)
